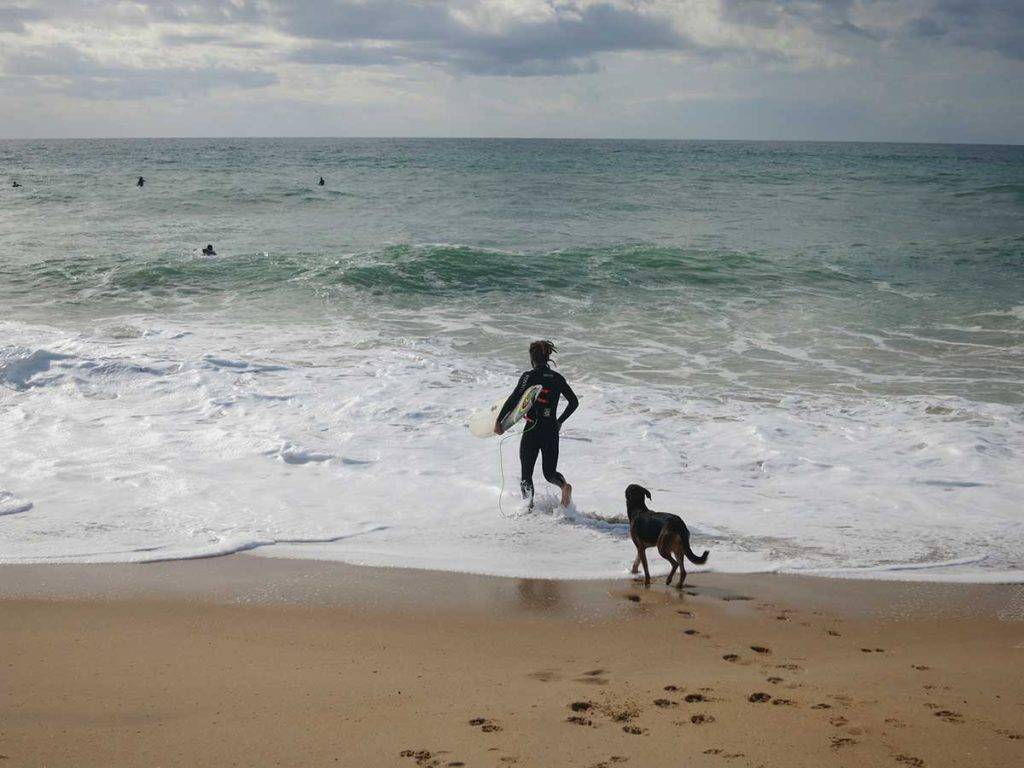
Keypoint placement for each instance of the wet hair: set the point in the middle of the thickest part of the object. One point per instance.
(540, 351)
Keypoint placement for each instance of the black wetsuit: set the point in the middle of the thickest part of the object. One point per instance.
(542, 424)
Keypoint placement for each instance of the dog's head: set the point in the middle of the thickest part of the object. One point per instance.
(635, 496)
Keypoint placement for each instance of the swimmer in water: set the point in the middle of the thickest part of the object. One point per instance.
(15, 185)
(141, 182)
(321, 181)
(208, 251)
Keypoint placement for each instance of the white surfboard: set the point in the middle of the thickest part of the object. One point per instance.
(481, 423)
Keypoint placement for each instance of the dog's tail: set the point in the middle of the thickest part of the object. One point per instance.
(689, 552)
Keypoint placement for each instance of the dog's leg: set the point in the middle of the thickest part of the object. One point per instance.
(636, 563)
(665, 543)
(647, 573)
(680, 552)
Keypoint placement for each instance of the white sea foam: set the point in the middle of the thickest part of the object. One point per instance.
(339, 443)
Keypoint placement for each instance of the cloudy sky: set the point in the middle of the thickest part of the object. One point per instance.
(913, 70)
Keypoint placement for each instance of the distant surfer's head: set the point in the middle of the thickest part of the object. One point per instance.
(541, 351)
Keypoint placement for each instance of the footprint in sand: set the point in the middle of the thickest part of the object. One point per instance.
(784, 702)
(920, 667)
(581, 706)
(949, 716)
(838, 722)
(671, 688)
(577, 720)
(791, 667)
(685, 614)
(731, 657)
(691, 632)
(838, 742)
(701, 719)
(760, 649)
(723, 753)
(759, 697)
(421, 756)
(633, 598)
(774, 680)
(822, 706)
(545, 675)
(665, 703)
(692, 698)
(485, 725)
(593, 677)
(730, 598)
(914, 762)
(634, 729)
(833, 633)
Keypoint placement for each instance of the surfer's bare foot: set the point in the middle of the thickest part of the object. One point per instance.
(566, 495)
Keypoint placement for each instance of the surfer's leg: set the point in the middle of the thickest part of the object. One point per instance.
(549, 463)
(528, 449)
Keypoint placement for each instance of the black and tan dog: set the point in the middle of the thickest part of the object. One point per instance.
(658, 529)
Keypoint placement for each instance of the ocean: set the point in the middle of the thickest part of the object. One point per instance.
(812, 352)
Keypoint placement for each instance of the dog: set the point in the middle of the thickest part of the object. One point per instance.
(658, 529)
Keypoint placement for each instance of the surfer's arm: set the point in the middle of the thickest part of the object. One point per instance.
(510, 403)
(571, 402)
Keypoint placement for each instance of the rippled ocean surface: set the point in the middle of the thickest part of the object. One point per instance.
(812, 352)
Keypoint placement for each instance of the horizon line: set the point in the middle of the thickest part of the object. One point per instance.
(520, 138)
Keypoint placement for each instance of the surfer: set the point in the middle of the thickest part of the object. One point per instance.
(15, 185)
(208, 251)
(141, 182)
(542, 420)
(321, 181)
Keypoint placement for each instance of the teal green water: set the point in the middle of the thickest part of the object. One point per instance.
(890, 268)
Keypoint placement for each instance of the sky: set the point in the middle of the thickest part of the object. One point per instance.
(845, 70)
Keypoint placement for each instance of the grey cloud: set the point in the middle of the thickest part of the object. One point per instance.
(13, 18)
(430, 33)
(828, 17)
(204, 11)
(82, 76)
(993, 25)
(175, 39)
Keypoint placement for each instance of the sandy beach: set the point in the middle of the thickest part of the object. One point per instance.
(253, 661)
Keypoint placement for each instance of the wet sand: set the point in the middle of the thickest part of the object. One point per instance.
(246, 661)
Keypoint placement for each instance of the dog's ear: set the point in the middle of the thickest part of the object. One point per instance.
(646, 492)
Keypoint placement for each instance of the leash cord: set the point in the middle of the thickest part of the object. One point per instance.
(501, 463)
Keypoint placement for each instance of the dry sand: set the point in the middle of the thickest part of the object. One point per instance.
(256, 662)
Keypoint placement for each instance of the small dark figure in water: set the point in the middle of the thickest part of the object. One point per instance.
(15, 185)
(141, 182)
(321, 181)
(208, 251)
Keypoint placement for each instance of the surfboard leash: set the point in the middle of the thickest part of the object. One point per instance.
(501, 463)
